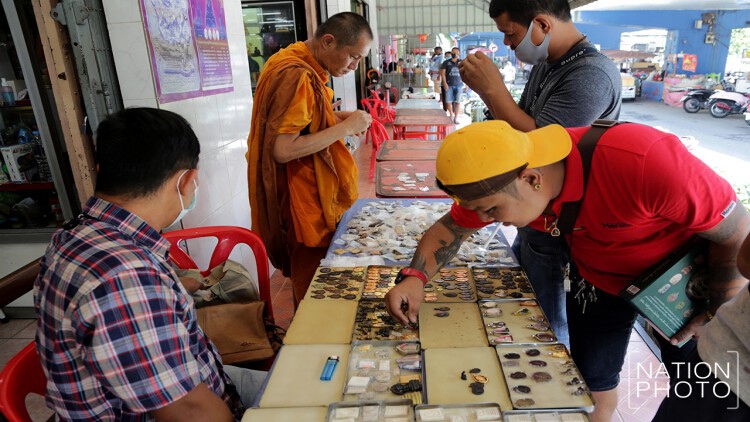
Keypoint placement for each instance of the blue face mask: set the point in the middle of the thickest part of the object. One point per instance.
(183, 210)
(529, 53)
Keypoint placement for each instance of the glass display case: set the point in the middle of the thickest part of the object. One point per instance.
(269, 27)
(35, 178)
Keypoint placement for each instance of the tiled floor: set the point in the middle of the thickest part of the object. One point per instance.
(641, 388)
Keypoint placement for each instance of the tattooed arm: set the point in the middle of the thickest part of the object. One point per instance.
(438, 246)
(724, 278)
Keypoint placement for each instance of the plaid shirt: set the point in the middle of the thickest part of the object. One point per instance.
(117, 332)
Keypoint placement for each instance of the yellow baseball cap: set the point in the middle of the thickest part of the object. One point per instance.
(484, 150)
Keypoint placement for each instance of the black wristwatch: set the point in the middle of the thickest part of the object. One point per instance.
(406, 272)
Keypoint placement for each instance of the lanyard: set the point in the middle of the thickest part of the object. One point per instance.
(576, 52)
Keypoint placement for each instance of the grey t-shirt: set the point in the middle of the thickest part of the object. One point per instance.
(576, 94)
(726, 340)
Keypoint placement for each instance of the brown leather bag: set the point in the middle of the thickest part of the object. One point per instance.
(231, 317)
(238, 330)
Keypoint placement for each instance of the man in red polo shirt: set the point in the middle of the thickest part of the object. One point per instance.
(646, 196)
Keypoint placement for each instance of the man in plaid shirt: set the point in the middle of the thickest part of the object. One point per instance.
(117, 331)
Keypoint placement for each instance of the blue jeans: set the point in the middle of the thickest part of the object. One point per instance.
(454, 93)
(544, 259)
(599, 338)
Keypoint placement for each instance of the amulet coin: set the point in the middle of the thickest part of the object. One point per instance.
(523, 389)
(477, 388)
(524, 402)
(480, 379)
(541, 377)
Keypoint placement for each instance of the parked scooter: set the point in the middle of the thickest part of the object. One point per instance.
(724, 103)
(747, 118)
(696, 100)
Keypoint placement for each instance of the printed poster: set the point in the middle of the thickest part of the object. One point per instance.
(189, 48)
(689, 62)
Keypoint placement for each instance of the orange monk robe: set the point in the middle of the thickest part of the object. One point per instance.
(313, 191)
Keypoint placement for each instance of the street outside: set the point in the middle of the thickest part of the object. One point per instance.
(724, 144)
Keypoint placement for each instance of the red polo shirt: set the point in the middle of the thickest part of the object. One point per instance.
(646, 196)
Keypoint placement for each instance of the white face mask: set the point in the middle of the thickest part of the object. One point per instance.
(183, 210)
(529, 53)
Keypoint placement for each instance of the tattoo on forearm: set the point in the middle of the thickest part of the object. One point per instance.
(418, 262)
(449, 248)
(446, 252)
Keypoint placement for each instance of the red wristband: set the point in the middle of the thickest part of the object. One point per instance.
(405, 272)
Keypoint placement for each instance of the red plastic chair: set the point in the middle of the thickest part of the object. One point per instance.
(228, 237)
(379, 135)
(22, 375)
(378, 110)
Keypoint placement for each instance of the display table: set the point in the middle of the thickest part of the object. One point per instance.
(385, 231)
(420, 112)
(437, 125)
(444, 365)
(407, 179)
(407, 150)
(418, 103)
(420, 95)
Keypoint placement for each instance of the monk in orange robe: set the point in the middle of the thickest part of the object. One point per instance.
(301, 176)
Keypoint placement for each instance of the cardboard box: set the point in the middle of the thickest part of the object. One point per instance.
(20, 162)
(661, 293)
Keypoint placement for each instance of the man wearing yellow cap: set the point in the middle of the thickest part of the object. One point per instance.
(645, 196)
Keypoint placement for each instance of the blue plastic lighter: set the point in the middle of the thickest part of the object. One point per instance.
(329, 367)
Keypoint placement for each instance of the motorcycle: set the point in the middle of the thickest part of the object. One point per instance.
(724, 103)
(747, 118)
(696, 100)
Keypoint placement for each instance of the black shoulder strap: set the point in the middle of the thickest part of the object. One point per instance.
(586, 146)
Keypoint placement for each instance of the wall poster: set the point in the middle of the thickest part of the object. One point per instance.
(189, 48)
(689, 62)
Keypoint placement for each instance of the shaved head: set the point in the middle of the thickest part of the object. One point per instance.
(346, 27)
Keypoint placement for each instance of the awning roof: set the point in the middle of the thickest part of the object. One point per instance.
(411, 17)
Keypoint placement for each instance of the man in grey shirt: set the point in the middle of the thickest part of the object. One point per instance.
(571, 84)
